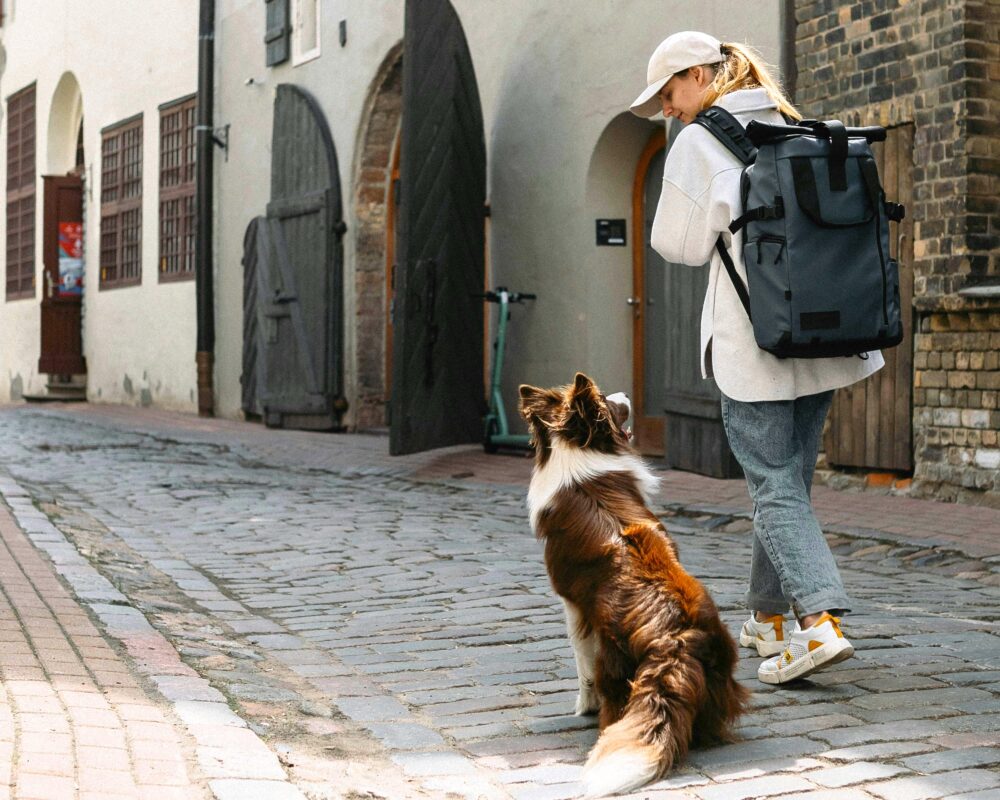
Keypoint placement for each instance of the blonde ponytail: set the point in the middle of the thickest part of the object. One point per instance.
(744, 68)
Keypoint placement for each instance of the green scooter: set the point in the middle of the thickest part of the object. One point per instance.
(496, 432)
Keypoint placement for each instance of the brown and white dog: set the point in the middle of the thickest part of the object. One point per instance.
(652, 654)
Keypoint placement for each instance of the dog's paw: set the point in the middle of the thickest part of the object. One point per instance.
(587, 702)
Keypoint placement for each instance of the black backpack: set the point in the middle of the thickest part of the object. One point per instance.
(816, 237)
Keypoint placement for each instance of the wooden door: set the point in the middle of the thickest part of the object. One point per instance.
(249, 378)
(648, 361)
(871, 422)
(298, 261)
(62, 295)
(679, 414)
(438, 395)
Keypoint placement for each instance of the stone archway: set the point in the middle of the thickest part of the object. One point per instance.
(373, 232)
(65, 122)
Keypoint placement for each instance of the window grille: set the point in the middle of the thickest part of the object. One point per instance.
(21, 194)
(177, 183)
(121, 204)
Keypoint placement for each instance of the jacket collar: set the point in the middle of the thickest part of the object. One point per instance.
(744, 101)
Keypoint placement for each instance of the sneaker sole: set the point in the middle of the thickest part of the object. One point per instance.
(822, 657)
(762, 646)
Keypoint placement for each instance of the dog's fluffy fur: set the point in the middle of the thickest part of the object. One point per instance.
(652, 655)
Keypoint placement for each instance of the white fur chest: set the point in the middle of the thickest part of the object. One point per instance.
(567, 466)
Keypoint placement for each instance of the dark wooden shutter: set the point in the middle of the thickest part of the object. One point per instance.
(299, 272)
(871, 421)
(20, 277)
(437, 386)
(277, 35)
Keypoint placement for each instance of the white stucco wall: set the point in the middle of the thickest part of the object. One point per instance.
(127, 58)
(552, 78)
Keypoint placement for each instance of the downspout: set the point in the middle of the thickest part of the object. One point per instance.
(203, 272)
(789, 69)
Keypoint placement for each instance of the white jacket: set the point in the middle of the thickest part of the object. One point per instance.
(700, 197)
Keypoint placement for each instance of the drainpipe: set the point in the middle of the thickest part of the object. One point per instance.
(203, 272)
(789, 69)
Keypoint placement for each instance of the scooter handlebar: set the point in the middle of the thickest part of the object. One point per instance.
(512, 297)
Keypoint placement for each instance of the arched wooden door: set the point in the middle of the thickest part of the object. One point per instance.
(298, 259)
(438, 394)
(678, 413)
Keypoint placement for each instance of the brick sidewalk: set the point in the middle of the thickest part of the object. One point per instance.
(74, 722)
(973, 530)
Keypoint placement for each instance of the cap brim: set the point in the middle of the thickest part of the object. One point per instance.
(648, 103)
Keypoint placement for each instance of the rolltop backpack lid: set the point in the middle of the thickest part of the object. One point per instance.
(815, 224)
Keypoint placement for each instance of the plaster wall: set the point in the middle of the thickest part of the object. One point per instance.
(125, 59)
(554, 81)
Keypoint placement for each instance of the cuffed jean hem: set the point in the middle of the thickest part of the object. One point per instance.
(819, 602)
(766, 605)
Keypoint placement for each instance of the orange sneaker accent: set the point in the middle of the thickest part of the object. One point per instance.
(827, 617)
(813, 644)
(776, 620)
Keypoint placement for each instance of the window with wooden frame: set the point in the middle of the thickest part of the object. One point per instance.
(21, 194)
(177, 181)
(305, 33)
(121, 204)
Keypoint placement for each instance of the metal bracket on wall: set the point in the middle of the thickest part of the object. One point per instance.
(220, 136)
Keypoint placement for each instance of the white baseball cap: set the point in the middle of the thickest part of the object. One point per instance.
(675, 54)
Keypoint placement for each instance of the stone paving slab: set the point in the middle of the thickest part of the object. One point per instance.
(412, 616)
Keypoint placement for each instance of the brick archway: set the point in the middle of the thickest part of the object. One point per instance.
(373, 231)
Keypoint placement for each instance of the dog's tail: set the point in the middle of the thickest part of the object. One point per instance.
(655, 729)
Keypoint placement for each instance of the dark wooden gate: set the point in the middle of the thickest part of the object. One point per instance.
(871, 422)
(62, 297)
(437, 382)
(297, 255)
(695, 439)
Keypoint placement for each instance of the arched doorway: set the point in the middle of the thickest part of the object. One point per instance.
(61, 347)
(374, 240)
(293, 260)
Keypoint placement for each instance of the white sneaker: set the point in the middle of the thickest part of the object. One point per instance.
(767, 637)
(808, 651)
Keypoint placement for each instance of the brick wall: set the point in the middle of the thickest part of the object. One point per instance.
(370, 207)
(936, 64)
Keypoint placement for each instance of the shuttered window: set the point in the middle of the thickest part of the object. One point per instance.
(177, 180)
(21, 194)
(121, 204)
(277, 31)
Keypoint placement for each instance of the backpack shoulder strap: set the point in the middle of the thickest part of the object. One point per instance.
(725, 127)
(738, 285)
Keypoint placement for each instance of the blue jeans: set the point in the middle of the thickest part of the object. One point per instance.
(776, 443)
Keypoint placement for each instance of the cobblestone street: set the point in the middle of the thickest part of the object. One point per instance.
(298, 615)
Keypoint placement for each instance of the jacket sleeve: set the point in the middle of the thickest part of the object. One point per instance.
(692, 210)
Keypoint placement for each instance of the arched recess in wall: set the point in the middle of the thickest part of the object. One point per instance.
(378, 159)
(65, 120)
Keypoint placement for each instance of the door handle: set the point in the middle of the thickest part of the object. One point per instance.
(50, 287)
(633, 301)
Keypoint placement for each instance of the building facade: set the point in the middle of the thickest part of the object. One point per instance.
(364, 199)
(98, 222)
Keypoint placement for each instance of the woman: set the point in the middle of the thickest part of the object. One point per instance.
(773, 409)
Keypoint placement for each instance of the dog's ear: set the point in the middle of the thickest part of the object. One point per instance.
(584, 398)
(533, 400)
